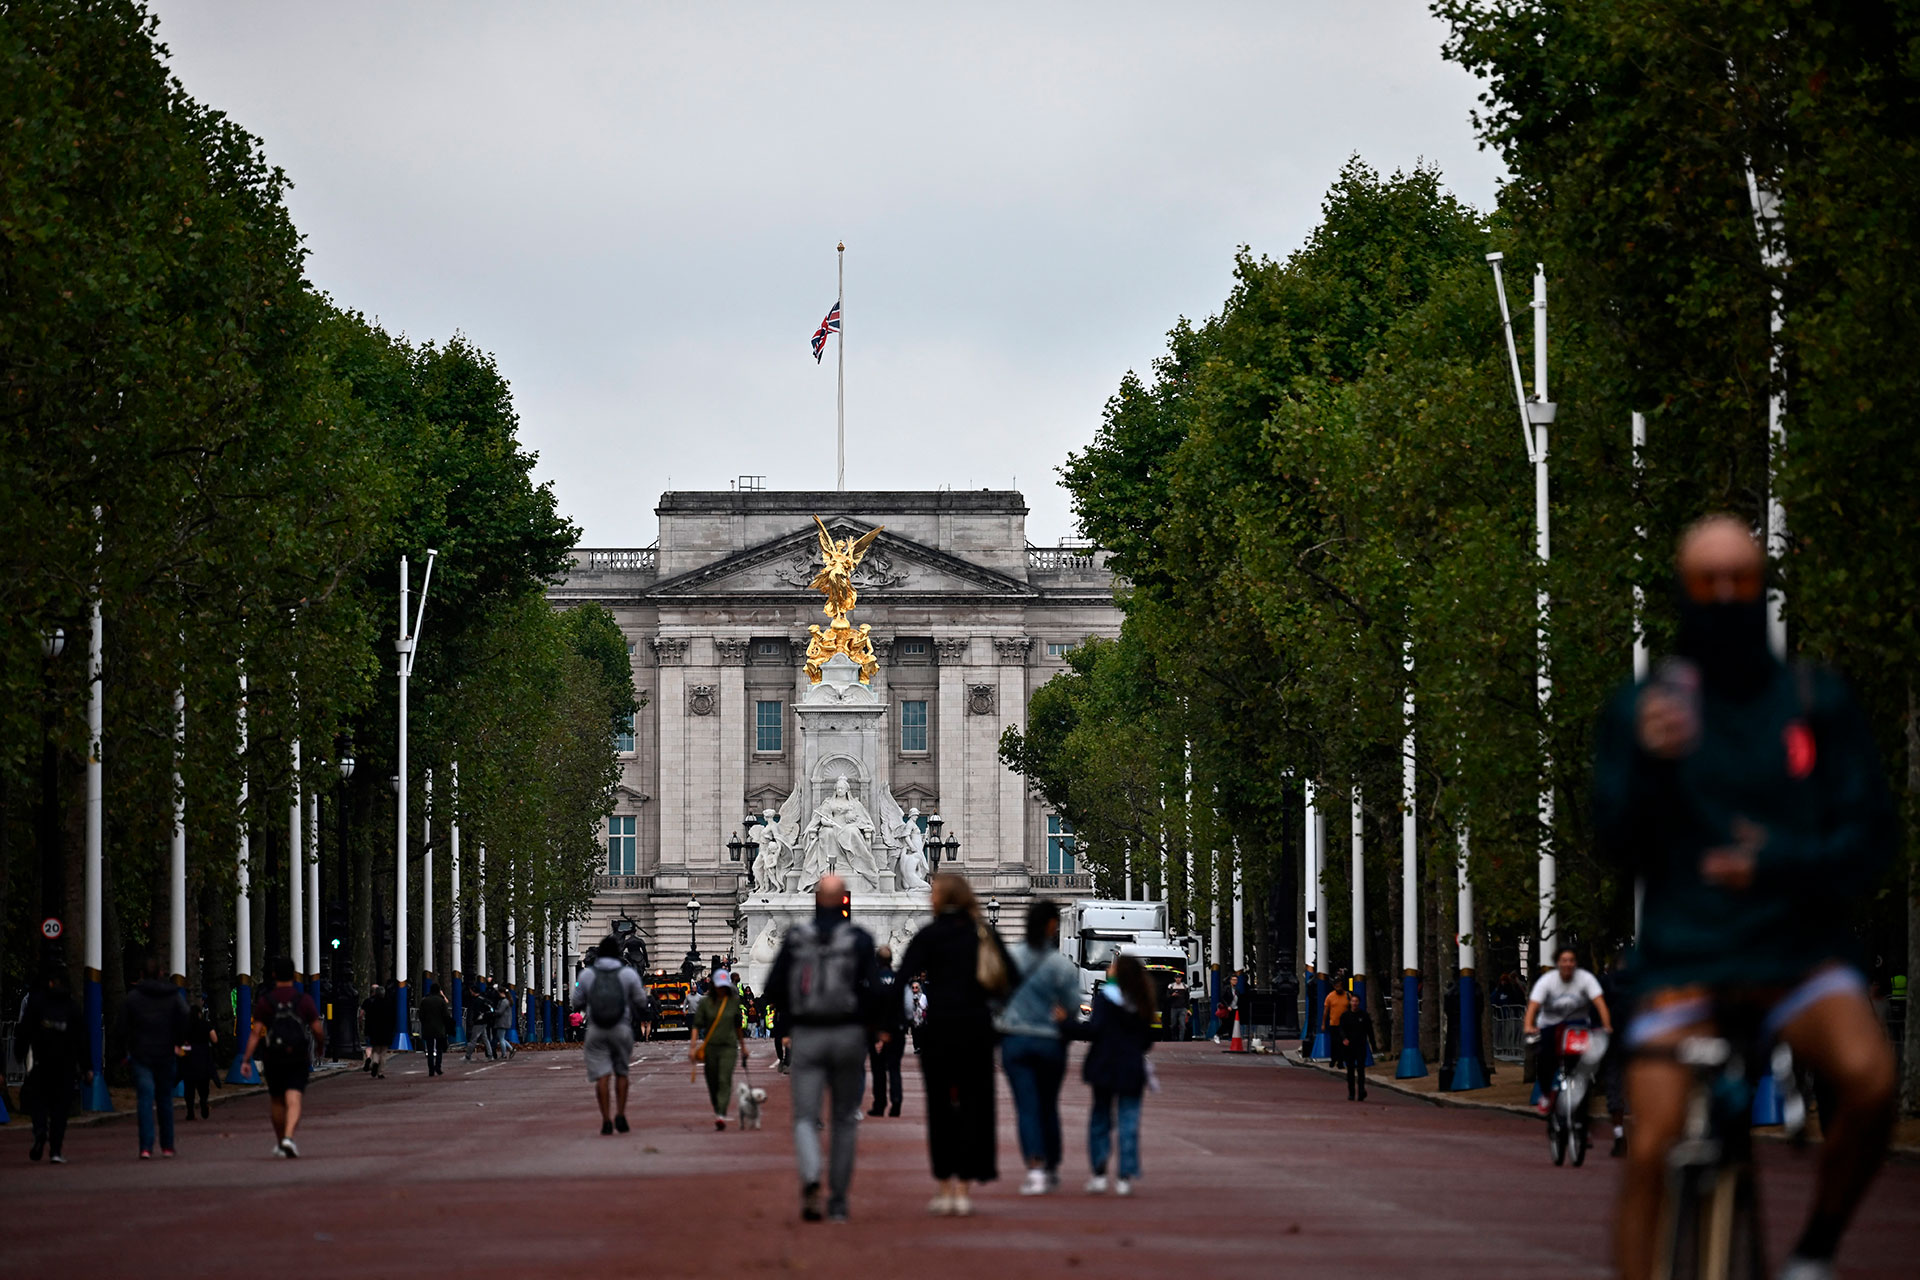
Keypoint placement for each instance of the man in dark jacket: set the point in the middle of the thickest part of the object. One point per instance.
(1747, 798)
(377, 1016)
(479, 1020)
(890, 1016)
(50, 1028)
(1353, 1036)
(436, 1025)
(156, 1023)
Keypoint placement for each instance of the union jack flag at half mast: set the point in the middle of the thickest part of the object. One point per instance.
(830, 325)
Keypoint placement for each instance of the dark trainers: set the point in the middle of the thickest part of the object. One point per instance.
(606, 1128)
(837, 1209)
(39, 1146)
(810, 1202)
(620, 1124)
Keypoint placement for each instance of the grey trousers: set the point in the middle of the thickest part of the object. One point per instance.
(828, 1060)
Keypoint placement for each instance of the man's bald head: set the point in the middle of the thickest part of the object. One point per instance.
(1720, 561)
(829, 891)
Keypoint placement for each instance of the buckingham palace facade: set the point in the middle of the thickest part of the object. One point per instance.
(967, 621)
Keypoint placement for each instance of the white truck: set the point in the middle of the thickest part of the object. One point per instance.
(1094, 930)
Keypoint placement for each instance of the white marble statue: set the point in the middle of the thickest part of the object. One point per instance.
(914, 868)
(840, 839)
(769, 864)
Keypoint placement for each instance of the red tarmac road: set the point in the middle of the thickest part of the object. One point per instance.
(1252, 1168)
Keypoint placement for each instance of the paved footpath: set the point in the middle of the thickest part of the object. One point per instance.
(1253, 1167)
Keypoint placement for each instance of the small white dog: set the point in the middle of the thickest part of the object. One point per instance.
(750, 1099)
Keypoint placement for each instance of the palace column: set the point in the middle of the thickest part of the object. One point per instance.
(1011, 833)
(669, 655)
(952, 736)
(731, 653)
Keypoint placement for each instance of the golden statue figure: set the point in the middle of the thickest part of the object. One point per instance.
(835, 581)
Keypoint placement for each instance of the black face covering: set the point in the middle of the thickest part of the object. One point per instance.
(1728, 641)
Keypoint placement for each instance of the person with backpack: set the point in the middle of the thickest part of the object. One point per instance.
(612, 996)
(822, 986)
(287, 1034)
(964, 970)
(436, 1026)
(1119, 1032)
(50, 1029)
(715, 1042)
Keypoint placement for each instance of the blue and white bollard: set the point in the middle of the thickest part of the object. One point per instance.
(1412, 1064)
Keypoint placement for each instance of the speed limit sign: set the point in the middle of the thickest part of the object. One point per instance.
(50, 928)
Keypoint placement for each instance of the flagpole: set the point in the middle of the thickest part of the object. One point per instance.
(841, 474)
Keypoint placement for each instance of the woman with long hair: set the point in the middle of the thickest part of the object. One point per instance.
(962, 967)
(1120, 1030)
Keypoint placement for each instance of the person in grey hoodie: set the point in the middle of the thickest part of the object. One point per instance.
(608, 1046)
(1033, 1050)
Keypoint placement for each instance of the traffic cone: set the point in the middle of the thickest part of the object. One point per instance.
(1239, 1045)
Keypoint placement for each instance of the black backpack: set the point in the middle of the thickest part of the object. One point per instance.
(287, 1037)
(606, 999)
(825, 978)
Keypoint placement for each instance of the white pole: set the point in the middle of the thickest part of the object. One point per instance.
(480, 919)
(454, 886)
(1311, 882)
(1213, 894)
(1239, 914)
(426, 889)
(296, 874)
(314, 953)
(1549, 921)
(1409, 833)
(243, 902)
(1640, 532)
(404, 648)
(1464, 907)
(96, 796)
(1359, 878)
(1767, 226)
(840, 349)
(1319, 890)
(177, 870)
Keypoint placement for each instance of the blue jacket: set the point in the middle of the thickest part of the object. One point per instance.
(1044, 980)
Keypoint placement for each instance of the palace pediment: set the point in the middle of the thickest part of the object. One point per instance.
(895, 568)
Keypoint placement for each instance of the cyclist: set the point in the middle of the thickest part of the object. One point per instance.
(1563, 994)
(1748, 798)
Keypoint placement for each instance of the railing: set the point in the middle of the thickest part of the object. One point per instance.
(624, 560)
(1063, 882)
(1062, 559)
(1509, 1038)
(603, 883)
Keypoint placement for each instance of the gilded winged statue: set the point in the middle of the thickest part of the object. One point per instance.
(838, 560)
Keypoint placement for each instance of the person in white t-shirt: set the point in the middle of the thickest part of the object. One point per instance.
(1564, 993)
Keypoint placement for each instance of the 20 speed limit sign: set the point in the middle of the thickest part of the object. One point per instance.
(50, 928)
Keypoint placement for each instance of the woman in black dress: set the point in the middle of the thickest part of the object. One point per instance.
(956, 1041)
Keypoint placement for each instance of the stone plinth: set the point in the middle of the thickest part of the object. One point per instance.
(891, 917)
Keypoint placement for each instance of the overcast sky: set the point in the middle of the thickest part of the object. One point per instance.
(635, 208)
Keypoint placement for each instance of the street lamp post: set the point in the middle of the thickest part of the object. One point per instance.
(338, 1026)
(1536, 416)
(993, 912)
(406, 645)
(693, 936)
(53, 880)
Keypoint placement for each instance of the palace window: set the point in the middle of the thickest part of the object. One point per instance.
(623, 736)
(621, 845)
(766, 726)
(913, 726)
(1059, 845)
(1060, 648)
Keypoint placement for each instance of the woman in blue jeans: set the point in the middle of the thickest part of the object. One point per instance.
(1033, 1049)
(1121, 1032)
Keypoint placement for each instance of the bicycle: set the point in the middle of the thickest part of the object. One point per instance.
(1711, 1216)
(1581, 1049)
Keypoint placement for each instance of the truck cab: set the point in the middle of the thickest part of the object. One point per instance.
(1093, 931)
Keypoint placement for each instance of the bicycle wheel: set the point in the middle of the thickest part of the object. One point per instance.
(1577, 1143)
(1556, 1138)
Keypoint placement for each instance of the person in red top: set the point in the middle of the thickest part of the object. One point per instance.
(287, 1032)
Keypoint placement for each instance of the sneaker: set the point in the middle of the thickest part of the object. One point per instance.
(606, 1128)
(203, 1111)
(1053, 1179)
(166, 1153)
(962, 1206)
(57, 1158)
(1097, 1185)
(941, 1206)
(286, 1145)
(620, 1124)
(279, 1149)
(39, 1146)
(719, 1123)
(1799, 1268)
(893, 1111)
(1122, 1187)
(1619, 1145)
(837, 1209)
(145, 1154)
(1035, 1184)
(810, 1203)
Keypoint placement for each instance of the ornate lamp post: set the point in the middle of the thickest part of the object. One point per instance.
(993, 912)
(692, 962)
